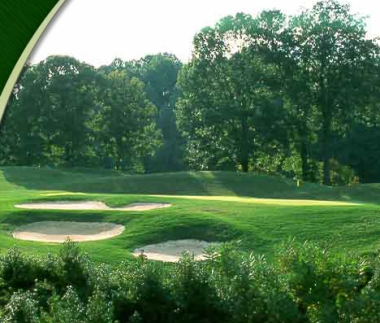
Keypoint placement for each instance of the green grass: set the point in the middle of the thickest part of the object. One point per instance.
(261, 211)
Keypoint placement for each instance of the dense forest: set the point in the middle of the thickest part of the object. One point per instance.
(291, 95)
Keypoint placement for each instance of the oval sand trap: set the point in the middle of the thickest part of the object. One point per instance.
(90, 205)
(60, 231)
(171, 251)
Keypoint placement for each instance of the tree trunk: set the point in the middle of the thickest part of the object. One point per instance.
(244, 145)
(326, 136)
(326, 133)
(119, 153)
(67, 153)
(244, 165)
(326, 122)
(118, 163)
(304, 161)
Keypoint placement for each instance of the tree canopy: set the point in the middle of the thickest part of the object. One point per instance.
(296, 95)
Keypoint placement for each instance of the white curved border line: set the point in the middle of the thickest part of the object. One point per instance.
(9, 85)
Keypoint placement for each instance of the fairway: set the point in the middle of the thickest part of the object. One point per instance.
(258, 211)
(261, 200)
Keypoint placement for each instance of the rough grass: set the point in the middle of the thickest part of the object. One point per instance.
(260, 211)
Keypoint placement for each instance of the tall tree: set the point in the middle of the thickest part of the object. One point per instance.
(336, 57)
(21, 131)
(297, 88)
(69, 88)
(9, 139)
(126, 122)
(50, 111)
(230, 94)
(159, 74)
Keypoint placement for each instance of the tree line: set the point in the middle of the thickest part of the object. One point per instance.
(296, 95)
(66, 112)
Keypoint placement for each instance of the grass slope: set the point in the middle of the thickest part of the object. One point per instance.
(260, 211)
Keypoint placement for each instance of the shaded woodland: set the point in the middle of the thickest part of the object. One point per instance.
(291, 95)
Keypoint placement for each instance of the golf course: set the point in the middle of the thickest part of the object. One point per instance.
(256, 211)
(237, 183)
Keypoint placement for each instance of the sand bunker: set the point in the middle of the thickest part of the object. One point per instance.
(60, 231)
(90, 205)
(170, 251)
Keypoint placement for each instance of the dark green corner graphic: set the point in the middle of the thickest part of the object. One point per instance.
(22, 23)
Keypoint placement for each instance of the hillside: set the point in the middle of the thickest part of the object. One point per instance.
(258, 210)
(181, 183)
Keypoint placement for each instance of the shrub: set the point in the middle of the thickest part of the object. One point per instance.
(303, 284)
(342, 174)
(68, 309)
(21, 308)
(17, 270)
(73, 269)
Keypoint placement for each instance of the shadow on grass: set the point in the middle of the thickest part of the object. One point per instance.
(103, 182)
(29, 216)
(182, 183)
(209, 230)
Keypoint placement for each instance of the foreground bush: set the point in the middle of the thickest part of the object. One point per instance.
(303, 284)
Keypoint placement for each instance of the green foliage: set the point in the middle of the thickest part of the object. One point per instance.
(360, 149)
(340, 61)
(342, 174)
(74, 269)
(21, 308)
(99, 308)
(233, 104)
(230, 99)
(158, 73)
(269, 93)
(67, 309)
(64, 112)
(304, 283)
(291, 167)
(126, 128)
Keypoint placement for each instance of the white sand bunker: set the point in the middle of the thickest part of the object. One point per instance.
(60, 231)
(90, 205)
(170, 251)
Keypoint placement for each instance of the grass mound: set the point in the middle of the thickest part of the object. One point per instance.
(258, 210)
(181, 183)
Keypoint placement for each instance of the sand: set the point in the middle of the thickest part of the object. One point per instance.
(60, 231)
(170, 251)
(90, 205)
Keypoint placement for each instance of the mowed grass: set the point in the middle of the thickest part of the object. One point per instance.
(259, 211)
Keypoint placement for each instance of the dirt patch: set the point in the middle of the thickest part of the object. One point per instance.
(90, 205)
(171, 251)
(60, 231)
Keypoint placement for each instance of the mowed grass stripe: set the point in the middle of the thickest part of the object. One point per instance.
(224, 199)
(261, 200)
